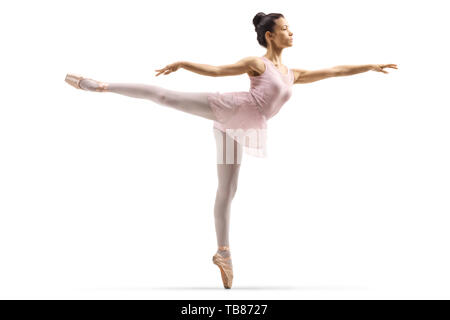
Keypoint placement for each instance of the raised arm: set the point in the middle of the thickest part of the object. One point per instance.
(307, 76)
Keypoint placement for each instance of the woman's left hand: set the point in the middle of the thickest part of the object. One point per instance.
(380, 67)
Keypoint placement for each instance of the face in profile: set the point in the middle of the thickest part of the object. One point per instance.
(282, 35)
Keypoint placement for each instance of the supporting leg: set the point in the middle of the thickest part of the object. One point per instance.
(228, 174)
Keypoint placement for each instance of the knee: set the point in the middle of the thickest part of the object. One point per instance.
(167, 97)
(227, 192)
(163, 98)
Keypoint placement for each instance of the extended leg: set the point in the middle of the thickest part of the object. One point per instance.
(195, 103)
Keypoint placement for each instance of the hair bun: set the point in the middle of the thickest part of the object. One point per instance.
(258, 18)
(263, 23)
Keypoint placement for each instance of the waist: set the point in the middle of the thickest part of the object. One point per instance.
(260, 108)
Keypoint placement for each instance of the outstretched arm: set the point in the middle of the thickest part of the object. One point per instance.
(203, 69)
(242, 66)
(306, 76)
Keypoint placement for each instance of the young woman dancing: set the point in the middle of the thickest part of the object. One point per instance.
(240, 118)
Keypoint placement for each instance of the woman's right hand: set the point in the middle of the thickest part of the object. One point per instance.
(169, 68)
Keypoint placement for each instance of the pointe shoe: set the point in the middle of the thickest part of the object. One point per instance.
(226, 269)
(75, 79)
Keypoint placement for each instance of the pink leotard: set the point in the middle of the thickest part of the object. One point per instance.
(243, 115)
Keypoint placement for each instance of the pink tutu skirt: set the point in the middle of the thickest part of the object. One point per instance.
(239, 117)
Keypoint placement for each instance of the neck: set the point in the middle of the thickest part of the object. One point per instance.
(274, 55)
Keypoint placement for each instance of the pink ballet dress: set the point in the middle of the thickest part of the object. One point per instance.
(243, 115)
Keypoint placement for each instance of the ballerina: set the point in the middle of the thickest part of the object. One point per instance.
(240, 118)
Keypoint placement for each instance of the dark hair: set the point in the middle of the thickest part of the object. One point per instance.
(263, 23)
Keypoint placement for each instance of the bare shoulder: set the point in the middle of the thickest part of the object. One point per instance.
(256, 66)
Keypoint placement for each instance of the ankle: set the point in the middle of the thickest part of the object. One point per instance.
(224, 251)
(104, 87)
(93, 85)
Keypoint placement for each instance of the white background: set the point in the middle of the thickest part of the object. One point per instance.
(107, 196)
